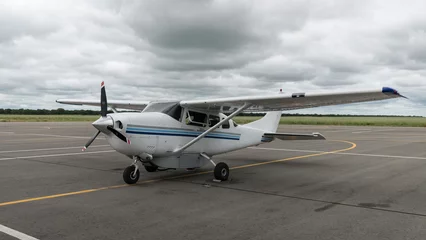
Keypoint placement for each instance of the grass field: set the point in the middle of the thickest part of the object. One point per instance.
(348, 121)
(300, 120)
(47, 118)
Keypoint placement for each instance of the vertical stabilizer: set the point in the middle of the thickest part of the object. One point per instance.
(269, 123)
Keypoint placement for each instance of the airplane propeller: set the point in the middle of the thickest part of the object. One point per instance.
(90, 141)
(104, 123)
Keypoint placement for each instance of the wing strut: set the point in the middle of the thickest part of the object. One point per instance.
(239, 110)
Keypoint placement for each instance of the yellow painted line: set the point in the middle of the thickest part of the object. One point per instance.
(61, 195)
(353, 145)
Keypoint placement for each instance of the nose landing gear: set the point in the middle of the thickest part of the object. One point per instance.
(131, 174)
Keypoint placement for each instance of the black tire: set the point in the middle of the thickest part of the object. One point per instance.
(128, 175)
(221, 171)
(151, 168)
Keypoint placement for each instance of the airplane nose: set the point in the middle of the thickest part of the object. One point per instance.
(102, 123)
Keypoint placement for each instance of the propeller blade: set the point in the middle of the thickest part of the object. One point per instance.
(90, 141)
(119, 135)
(104, 105)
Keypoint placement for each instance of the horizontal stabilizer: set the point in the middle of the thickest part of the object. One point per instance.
(295, 136)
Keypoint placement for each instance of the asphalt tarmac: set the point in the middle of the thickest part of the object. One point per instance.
(361, 183)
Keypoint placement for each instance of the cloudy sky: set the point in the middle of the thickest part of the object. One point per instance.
(148, 50)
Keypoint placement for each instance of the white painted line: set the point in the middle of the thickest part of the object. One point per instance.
(54, 155)
(362, 132)
(345, 130)
(286, 150)
(340, 153)
(383, 156)
(8, 132)
(51, 135)
(48, 149)
(335, 131)
(16, 234)
(371, 130)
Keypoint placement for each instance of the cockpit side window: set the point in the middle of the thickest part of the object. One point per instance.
(196, 119)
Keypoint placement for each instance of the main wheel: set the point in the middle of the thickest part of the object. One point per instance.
(130, 176)
(151, 168)
(221, 171)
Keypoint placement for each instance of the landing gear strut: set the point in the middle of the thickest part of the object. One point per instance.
(131, 173)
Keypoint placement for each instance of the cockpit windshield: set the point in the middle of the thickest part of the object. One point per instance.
(173, 109)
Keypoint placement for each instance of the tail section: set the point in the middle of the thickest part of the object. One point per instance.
(269, 123)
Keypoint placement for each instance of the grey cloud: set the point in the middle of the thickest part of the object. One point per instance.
(147, 50)
(192, 24)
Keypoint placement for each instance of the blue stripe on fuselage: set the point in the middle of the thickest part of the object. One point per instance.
(180, 133)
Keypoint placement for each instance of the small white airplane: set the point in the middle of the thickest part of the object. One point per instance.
(187, 134)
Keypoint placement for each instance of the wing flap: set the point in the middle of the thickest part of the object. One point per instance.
(295, 136)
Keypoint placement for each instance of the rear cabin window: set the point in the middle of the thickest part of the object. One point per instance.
(225, 125)
(235, 124)
(213, 120)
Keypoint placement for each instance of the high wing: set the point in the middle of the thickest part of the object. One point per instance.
(132, 105)
(277, 102)
(282, 102)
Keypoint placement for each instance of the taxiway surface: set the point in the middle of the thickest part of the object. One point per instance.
(362, 183)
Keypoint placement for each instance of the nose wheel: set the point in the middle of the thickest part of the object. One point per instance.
(131, 174)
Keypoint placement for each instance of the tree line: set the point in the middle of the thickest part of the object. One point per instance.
(61, 111)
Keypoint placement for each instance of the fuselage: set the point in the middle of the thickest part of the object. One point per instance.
(159, 135)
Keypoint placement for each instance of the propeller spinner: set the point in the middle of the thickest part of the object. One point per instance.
(105, 123)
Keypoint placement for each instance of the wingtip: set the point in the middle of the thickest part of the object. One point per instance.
(319, 136)
(389, 90)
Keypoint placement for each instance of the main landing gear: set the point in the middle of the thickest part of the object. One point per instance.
(131, 173)
(221, 170)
